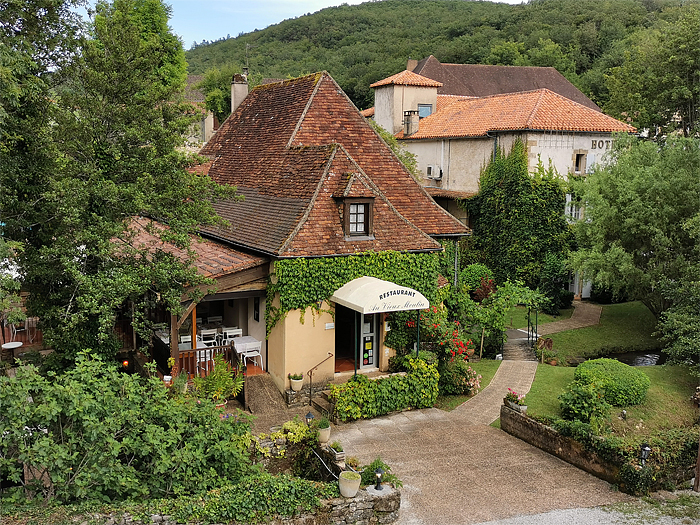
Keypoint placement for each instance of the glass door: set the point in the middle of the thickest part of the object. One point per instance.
(368, 350)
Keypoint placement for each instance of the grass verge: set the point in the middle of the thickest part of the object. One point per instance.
(517, 317)
(550, 382)
(486, 368)
(624, 327)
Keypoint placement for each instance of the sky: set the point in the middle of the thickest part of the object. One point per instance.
(197, 20)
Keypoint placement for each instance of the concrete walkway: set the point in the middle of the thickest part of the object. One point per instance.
(458, 470)
(585, 314)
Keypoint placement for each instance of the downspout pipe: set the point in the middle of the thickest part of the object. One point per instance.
(495, 144)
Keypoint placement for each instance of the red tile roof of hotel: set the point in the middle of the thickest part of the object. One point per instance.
(407, 78)
(532, 110)
(292, 149)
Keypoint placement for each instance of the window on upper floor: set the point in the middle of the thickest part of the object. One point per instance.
(580, 163)
(424, 110)
(358, 217)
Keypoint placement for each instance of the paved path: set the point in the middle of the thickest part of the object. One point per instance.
(458, 470)
(585, 314)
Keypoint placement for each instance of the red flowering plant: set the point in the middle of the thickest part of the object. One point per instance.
(451, 341)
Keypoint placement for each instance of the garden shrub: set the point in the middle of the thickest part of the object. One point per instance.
(583, 402)
(256, 499)
(362, 398)
(470, 277)
(401, 363)
(674, 453)
(623, 385)
(100, 434)
(458, 378)
(370, 478)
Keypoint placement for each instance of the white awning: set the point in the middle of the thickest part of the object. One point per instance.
(369, 295)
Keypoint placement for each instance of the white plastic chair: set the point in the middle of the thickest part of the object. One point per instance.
(209, 336)
(254, 354)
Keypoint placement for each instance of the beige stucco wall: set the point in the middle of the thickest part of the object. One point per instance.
(462, 160)
(391, 101)
(295, 347)
(562, 149)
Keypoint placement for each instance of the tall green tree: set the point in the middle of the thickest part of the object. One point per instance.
(636, 237)
(117, 125)
(658, 86)
(518, 218)
(216, 86)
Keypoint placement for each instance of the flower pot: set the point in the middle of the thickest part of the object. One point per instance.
(349, 483)
(515, 406)
(222, 404)
(324, 434)
(337, 456)
(296, 384)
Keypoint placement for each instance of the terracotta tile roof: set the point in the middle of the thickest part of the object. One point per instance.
(533, 110)
(281, 149)
(445, 100)
(480, 80)
(367, 113)
(210, 258)
(449, 194)
(407, 78)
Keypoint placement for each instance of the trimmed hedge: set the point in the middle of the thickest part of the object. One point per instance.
(362, 398)
(623, 385)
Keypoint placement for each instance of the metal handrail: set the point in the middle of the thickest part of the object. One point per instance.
(310, 373)
(324, 463)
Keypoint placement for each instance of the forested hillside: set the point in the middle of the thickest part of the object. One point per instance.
(364, 43)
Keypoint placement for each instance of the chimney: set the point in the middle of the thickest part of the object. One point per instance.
(410, 122)
(411, 64)
(239, 89)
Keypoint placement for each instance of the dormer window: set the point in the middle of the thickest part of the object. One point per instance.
(358, 217)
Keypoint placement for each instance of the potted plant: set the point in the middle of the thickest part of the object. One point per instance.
(297, 381)
(324, 430)
(222, 382)
(515, 400)
(349, 483)
(336, 449)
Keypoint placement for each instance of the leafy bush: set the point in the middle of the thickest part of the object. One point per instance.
(583, 402)
(471, 276)
(458, 378)
(370, 478)
(401, 363)
(623, 385)
(256, 499)
(362, 398)
(100, 434)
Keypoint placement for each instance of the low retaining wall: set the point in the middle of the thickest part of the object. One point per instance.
(369, 506)
(547, 439)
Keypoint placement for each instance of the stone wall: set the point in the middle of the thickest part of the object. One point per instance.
(549, 440)
(369, 506)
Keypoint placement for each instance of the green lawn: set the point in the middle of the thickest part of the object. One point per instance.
(623, 327)
(667, 404)
(486, 368)
(517, 317)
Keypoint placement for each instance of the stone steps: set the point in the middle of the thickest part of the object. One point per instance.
(518, 350)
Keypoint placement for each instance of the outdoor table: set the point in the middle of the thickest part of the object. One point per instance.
(246, 344)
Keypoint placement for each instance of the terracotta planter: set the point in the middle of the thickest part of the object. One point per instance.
(324, 434)
(349, 483)
(297, 384)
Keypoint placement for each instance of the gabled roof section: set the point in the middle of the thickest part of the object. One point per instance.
(210, 258)
(407, 78)
(282, 147)
(533, 110)
(332, 117)
(478, 80)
